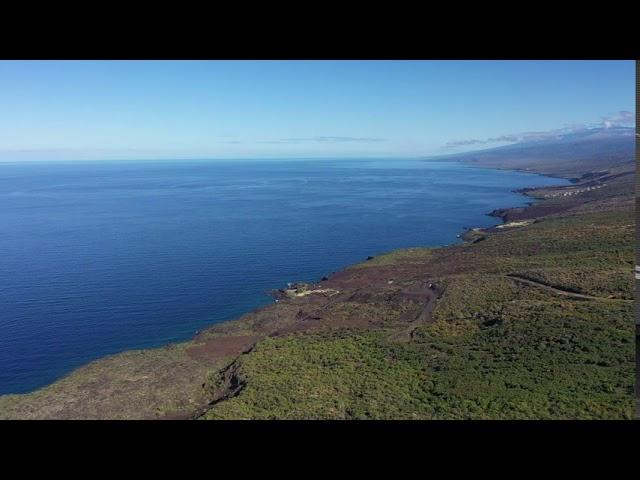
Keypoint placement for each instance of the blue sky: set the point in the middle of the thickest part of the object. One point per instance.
(71, 110)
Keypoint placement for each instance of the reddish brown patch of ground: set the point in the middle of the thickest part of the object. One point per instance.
(220, 347)
(374, 276)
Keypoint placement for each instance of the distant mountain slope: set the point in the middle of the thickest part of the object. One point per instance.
(567, 156)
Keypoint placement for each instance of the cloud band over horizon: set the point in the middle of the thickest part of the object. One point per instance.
(621, 119)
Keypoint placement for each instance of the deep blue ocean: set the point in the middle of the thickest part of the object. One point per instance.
(101, 257)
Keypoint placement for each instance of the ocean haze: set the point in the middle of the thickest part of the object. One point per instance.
(102, 257)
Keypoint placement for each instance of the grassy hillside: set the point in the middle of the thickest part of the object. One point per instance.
(495, 348)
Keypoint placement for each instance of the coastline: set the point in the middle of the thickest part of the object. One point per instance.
(217, 346)
(202, 331)
(171, 308)
(470, 234)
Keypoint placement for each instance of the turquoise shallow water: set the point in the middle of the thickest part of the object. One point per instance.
(101, 257)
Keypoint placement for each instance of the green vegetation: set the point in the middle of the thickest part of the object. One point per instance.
(543, 362)
(496, 349)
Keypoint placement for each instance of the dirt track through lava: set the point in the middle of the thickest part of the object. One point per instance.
(431, 295)
(560, 291)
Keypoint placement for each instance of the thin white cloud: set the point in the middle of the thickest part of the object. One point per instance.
(326, 140)
(622, 118)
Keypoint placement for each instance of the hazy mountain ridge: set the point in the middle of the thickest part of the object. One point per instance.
(567, 155)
